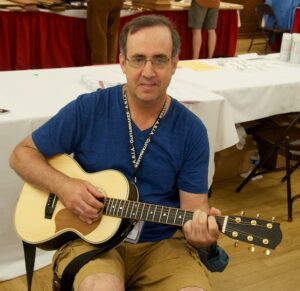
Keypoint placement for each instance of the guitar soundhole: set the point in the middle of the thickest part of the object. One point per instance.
(66, 219)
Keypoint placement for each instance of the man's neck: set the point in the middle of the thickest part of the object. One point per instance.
(144, 115)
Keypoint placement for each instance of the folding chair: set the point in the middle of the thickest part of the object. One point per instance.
(270, 34)
(282, 139)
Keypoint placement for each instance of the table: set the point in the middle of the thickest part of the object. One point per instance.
(32, 40)
(296, 24)
(33, 96)
(254, 86)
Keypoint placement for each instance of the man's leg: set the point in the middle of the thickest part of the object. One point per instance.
(101, 281)
(212, 40)
(97, 16)
(197, 42)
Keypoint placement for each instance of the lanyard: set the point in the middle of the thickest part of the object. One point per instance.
(136, 161)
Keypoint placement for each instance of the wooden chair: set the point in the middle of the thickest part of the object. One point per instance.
(270, 34)
(278, 138)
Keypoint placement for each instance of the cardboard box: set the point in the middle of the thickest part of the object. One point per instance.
(232, 162)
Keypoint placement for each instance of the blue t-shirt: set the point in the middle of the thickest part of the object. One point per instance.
(95, 129)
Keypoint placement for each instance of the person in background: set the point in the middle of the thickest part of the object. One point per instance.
(103, 17)
(154, 140)
(203, 14)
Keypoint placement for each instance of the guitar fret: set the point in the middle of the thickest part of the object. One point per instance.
(159, 219)
(180, 217)
(111, 208)
(115, 207)
(120, 208)
(141, 216)
(170, 215)
(164, 216)
(136, 208)
(131, 206)
(107, 207)
(127, 207)
(175, 216)
(154, 213)
(148, 206)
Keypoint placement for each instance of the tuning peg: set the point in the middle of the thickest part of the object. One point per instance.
(236, 243)
(273, 218)
(242, 213)
(267, 252)
(257, 215)
(252, 248)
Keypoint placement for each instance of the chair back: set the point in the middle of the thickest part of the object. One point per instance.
(263, 10)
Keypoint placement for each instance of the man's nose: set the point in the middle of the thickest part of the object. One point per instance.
(148, 69)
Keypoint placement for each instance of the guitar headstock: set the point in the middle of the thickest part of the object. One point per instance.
(263, 233)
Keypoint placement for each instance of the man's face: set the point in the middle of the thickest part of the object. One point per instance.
(149, 81)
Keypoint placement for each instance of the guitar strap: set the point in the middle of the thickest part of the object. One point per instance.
(68, 276)
(69, 273)
(29, 254)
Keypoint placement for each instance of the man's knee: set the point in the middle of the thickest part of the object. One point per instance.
(101, 281)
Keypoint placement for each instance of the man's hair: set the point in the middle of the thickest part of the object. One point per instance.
(149, 21)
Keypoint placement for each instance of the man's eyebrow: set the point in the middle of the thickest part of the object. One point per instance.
(138, 56)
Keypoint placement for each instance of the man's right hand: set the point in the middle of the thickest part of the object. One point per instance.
(82, 198)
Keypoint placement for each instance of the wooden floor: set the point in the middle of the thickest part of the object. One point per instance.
(247, 271)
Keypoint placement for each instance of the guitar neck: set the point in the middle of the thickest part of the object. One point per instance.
(256, 231)
(148, 212)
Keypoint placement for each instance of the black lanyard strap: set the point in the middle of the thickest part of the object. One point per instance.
(136, 161)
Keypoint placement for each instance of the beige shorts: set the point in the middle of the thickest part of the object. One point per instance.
(166, 265)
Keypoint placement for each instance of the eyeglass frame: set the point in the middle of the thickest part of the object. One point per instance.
(145, 60)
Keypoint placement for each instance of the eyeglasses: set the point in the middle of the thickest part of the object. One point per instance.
(158, 62)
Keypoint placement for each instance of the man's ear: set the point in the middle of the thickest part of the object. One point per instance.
(175, 61)
(122, 62)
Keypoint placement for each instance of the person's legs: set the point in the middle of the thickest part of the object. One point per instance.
(97, 15)
(196, 17)
(106, 272)
(211, 42)
(210, 24)
(112, 31)
(101, 281)
(197, 42)
(166, 265)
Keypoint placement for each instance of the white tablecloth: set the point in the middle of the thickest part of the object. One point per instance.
(33, 96)
(254, 86)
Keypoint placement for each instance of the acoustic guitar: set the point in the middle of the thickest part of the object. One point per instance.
(42, 220)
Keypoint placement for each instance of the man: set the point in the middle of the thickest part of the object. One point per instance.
(103, 17)
(154, 140)
(203, 14)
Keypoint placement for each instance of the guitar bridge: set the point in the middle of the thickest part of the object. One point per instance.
(50, 205)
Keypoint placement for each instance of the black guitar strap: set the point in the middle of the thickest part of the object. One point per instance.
(29, 254)
(69, 273)
(68, 276)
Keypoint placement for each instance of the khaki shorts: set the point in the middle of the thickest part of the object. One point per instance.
(202, 17)
(166, 265)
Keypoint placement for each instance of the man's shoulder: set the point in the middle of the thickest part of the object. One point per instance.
(101, 94)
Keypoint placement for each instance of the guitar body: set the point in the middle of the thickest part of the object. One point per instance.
(50, 233)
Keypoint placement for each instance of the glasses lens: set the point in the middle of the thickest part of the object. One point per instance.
(157, 61)
(137, 62)
(160, 61)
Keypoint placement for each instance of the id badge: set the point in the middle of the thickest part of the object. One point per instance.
(134, 236)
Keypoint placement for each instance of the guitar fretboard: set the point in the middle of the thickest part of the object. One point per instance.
(148, 212)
